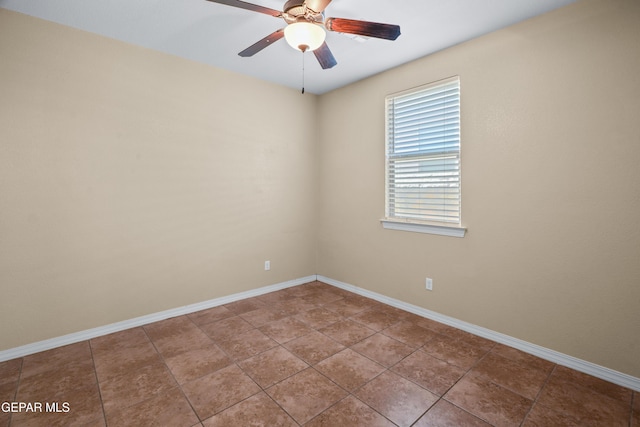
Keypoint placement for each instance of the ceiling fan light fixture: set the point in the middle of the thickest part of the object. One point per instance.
(304, 35)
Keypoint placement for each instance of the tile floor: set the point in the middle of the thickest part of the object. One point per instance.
(311, 355)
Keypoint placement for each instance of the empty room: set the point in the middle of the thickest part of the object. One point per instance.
(429, 217)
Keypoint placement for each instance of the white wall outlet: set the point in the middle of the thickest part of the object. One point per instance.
(267, 265)
(429, 284)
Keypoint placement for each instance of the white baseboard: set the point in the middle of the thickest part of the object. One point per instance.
(36, 347)
(542, 352)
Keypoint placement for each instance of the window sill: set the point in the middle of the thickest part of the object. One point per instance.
(417, 227)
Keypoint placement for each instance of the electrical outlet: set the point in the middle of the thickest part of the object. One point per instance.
(429, 284)
(267, 265)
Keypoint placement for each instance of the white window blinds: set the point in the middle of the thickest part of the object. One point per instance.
(423, 154)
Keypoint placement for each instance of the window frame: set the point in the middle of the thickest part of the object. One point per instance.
(410, 222)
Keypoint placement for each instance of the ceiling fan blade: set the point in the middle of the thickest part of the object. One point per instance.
(317, 5)
(261, 44)
(363, 28)
(249, 6)
(324, 56)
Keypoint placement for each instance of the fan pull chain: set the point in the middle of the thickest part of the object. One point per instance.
(303, 72)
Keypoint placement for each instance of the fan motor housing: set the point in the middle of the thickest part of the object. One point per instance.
(295, 10)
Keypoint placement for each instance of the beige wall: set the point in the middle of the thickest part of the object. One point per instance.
(550, 186)
(132, 182)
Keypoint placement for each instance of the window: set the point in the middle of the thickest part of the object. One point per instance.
(423, 159)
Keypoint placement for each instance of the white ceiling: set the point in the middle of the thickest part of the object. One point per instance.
(213, 33)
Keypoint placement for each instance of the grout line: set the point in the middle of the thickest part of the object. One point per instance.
(634, 397)
(535, 400)
(15, 392)
(278, 405)
(162, 358)
(95, 373)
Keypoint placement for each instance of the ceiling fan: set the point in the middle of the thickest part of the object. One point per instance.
(306, 27)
